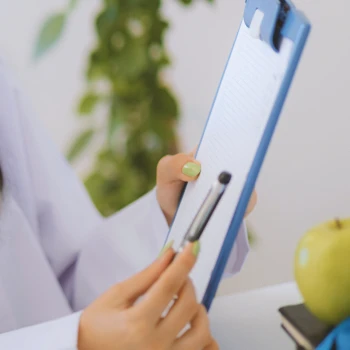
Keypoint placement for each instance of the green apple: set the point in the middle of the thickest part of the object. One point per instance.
(322, 270)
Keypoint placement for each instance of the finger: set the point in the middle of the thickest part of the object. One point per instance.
(183, 311)
(169, 284)
(180, 167)
(252, 203)
(213, 346)
(194, 151)
(198, 336)
(126, 293)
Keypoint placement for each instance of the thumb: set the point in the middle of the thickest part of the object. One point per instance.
(194, 151)
(180, 167)
(126, 293)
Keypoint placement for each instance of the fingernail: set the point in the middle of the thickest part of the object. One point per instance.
(196, 248)
(191, 169)
(166, 247)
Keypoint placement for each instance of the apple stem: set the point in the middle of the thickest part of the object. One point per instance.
(338, 223)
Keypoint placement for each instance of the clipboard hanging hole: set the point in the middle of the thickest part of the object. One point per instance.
(255, 26)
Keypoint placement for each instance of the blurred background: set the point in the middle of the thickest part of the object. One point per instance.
(94, 87)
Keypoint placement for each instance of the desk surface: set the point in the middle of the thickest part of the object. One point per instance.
(250, 321)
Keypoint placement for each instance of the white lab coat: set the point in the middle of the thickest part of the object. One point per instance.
(57, 254)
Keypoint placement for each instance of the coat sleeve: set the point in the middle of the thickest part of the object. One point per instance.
(60, 334)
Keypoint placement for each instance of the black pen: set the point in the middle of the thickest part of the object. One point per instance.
(207, 209)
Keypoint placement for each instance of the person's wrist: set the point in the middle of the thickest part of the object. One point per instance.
(166, 213)
(81, 332)
(168, 217)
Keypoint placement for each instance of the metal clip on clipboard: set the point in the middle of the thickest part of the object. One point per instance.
(266, 20)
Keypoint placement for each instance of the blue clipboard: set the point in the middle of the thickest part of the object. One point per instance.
(281, 20)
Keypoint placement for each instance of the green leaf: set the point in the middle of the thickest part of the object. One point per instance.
(159, 27)
(106, 20)
(114, 121)
(80, 144)
(165, 104)
(88, 103)
(49, 34)
(72, 5)
(186, 2)
(133, 59)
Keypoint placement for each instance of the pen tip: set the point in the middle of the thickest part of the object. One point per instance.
(225, 178)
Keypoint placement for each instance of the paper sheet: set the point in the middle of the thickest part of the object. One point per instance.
(244, 102)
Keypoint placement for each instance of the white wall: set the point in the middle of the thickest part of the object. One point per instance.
(304, 180)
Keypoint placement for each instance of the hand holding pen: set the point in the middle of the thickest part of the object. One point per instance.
(200, 221)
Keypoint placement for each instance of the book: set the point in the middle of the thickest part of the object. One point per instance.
(306, 330)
